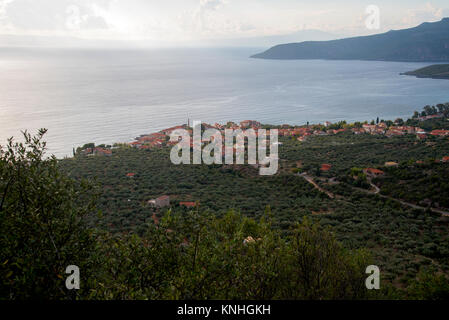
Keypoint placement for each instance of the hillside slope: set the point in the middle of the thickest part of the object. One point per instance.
(426, 42)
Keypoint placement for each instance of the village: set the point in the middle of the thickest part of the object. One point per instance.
(300, 133)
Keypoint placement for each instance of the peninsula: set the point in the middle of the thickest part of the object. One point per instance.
(436, 71)
(426, 42)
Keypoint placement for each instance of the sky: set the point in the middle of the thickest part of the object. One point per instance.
(157, 22)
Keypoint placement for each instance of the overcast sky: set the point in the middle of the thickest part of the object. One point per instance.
(192, 21)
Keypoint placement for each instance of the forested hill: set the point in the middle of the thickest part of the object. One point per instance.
(426, 42)
(436, 71)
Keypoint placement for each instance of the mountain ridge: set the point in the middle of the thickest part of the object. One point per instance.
(427, 42)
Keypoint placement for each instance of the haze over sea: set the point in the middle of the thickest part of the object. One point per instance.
(107, 96)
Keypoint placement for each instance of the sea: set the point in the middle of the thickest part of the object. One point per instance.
(114, 95)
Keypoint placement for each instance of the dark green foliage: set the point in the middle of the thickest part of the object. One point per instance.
(345, 150)
(218, 188)
(41, 226)
(196, 256)
(425, 184)
(430, 286)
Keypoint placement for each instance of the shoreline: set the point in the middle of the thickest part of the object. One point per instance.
(301, 133)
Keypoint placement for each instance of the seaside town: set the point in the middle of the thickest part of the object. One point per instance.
(301, 133)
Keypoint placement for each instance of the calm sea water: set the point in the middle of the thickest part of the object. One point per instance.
(115, 95)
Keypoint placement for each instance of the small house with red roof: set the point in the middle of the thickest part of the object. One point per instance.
(373, 172)
(161, 202)
(102, 152)
(441, 133)
(188, 204)
(250, 124)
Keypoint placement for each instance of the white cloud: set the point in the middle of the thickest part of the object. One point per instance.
(207, 19)
(80, 18)
(173, 21)
(427, 12)
(3, 15)
(211, 4)
(53, 16)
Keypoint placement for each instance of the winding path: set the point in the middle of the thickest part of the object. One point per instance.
(375, 192)
(309, 179)
(376, 188)
(408, 204)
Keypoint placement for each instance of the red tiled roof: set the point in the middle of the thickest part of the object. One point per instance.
(130, 174)
(440, 132)
(188, 204)
(374, 171)
(326, 167)
(170, 130)
(102, 150)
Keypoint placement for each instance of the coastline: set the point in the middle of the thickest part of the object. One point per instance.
(301, 133)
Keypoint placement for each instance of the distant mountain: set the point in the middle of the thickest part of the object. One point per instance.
(249, 42)
(436, 71)
(58, 42)
(426, 42)
(269, 41)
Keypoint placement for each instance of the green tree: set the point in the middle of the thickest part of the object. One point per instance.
(88, 145)
(429, 286)
(321, 269)
(41, 222)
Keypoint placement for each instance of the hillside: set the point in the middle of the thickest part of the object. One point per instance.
(426, 42)
(437, 71)
(393, 223)
(358, 218)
